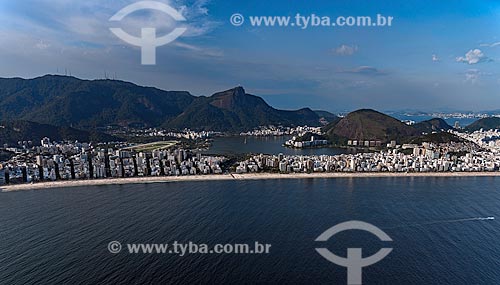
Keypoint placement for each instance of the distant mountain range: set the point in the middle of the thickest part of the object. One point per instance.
(65, 107)
(68, 101)
(86, 104)
(234, 110)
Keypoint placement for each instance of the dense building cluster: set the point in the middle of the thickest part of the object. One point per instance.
(157, 132)
(282, 131)
(295, 142)
(64, 161)
(488, 139)
(423, 160)
(478, 151)
(465, 156)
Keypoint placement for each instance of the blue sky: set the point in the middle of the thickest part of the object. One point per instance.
(437, 54)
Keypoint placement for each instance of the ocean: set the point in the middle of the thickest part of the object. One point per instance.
(438, 237)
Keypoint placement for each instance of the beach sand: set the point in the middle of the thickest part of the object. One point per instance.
(249, 176)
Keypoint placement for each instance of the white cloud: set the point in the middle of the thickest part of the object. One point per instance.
(211, 52)
(474, 75)
(435, 58)
(346, 50)
(491, 45)
(474, 56)
(365, 70)
(198, 8)
(70, 24)
(42, 45)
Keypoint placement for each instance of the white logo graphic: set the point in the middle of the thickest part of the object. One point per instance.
(148, 40)
(354, 261)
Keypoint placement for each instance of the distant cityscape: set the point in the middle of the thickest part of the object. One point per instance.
(478, 151)
(74, 160)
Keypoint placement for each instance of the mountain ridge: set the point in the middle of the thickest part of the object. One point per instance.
(86, 104)
(368, 124)
(432, 125)
(489, 123)
(234, 109)
(68, 101)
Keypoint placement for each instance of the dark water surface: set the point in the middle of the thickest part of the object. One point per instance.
(266, 145)
(61, 235)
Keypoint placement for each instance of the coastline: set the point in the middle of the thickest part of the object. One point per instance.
(225, 177)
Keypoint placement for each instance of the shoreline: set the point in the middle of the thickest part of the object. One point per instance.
(226, 177)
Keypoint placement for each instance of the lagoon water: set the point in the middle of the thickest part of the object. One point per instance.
(61, 235)
(267, 145)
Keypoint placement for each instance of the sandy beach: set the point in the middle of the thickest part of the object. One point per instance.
(249, 176)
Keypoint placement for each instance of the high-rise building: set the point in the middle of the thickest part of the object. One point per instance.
(45, 142)
(283, 167)
(2, 176)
